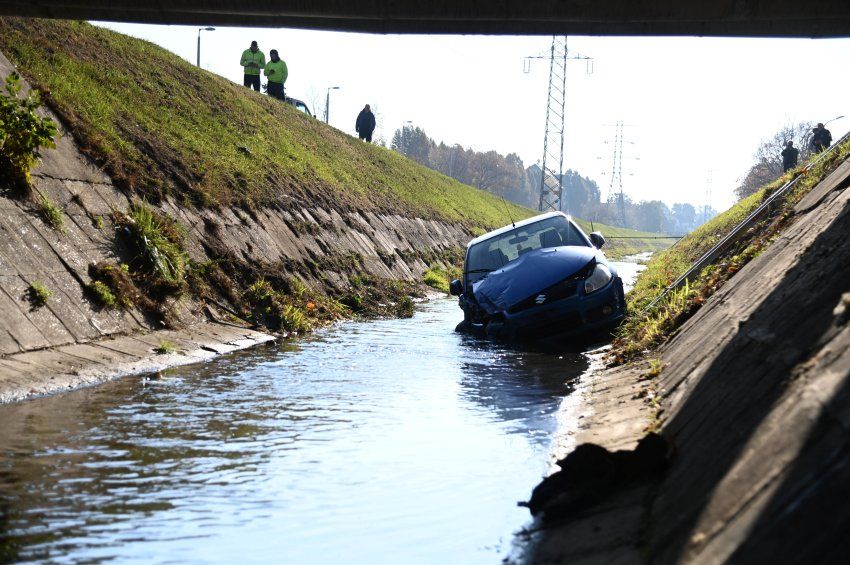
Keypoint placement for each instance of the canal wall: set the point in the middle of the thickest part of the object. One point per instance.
(319, 245)
(751, 395)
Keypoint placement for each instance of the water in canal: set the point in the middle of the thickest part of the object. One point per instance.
(393, 441)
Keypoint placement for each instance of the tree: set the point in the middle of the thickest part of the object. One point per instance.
(768, 156)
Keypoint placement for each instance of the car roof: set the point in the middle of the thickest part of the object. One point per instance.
(521, 223)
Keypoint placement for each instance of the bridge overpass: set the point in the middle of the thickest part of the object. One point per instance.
(751, 18)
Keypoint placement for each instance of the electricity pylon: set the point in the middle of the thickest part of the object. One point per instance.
(552, 173)
(615, 186)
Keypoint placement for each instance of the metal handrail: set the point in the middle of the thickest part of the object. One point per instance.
(721, 246)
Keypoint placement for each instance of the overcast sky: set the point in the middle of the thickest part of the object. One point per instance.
(695, 108)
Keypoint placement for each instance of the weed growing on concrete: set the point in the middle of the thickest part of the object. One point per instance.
(156, 242)
(165, 347)
(379, 297)
(294, 309)
(38, 295)
(101, 294)
(52, 214)
(116, 280)
(23, 134)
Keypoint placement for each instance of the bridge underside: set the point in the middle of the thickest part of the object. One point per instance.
(752, 18)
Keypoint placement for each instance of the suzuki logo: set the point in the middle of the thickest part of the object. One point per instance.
(541, 298)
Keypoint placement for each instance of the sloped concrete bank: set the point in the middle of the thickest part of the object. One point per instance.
(321, 247)
(753, 400)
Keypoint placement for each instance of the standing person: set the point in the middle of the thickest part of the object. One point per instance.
(365, 124)
(253, 60)
(277, 72)
(821, 138)
(789, 156)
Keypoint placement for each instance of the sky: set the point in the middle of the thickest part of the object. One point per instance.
(695, 109)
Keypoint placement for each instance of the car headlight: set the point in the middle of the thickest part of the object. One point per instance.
(600, 276)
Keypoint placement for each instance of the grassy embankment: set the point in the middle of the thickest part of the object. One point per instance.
(642, 330)
(164, 128)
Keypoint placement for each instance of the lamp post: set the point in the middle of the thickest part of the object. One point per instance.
(200, 29)
(328, 103)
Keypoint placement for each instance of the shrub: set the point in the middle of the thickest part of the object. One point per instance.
(38, 294)
(52, 214)
(23, 133)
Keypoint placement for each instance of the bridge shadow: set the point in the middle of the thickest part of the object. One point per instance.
(738, 392)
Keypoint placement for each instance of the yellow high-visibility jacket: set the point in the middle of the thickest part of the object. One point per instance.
(253, 61)
(276, 71)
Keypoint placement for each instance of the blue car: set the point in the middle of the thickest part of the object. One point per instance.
(539, 279)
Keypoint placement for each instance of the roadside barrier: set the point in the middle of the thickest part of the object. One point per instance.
(733, 236)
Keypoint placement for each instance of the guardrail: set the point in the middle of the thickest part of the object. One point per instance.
(733, 236)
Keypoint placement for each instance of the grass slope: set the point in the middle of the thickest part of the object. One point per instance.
(160, 126)
(643, 329)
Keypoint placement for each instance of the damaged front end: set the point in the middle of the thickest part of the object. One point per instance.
(547, 293)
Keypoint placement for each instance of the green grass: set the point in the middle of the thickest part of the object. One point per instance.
(165, 347)
(102, 294)
(642, 329)
(38, 294)
(160, 126)
(439, 278)
(157, 242)
(52, 214)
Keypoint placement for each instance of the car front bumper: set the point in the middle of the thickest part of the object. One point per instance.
(576, 315)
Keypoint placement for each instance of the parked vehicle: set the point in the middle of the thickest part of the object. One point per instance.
(299, 105)
(541, 278)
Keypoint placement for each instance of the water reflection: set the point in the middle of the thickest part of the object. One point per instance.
(390, 441)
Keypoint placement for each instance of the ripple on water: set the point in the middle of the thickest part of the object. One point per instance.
(386, 441)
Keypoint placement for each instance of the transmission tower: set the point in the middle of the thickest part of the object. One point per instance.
(706, 210)
(552, 168)
(615, 186)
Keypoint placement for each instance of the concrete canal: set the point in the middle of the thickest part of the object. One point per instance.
(388, 441)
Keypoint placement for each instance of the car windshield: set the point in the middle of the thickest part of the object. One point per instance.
(496, 252)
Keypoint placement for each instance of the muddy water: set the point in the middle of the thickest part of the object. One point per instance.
(394, 441)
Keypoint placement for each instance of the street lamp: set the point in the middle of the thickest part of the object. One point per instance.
(328, 103)
(200, 29)
(403, 142)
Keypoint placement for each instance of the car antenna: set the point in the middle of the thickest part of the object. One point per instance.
(508, 210)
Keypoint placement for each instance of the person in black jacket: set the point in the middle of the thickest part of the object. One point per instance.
(365, 124)
(789, 156)
(821, 138)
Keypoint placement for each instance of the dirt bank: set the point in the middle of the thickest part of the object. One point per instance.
(752, 396)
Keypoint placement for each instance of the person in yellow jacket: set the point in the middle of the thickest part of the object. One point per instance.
(276, 72)
(254, 61)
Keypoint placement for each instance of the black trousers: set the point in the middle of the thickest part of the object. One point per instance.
(252, 81)
(366, 135)
(275, 89)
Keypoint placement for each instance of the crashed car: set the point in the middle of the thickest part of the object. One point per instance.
(542, 278)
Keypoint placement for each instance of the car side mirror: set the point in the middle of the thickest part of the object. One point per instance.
(597, 240)
(455, 288)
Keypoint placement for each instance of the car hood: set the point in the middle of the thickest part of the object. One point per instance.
(535, 271)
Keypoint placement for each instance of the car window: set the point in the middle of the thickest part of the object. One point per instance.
(497, 252)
